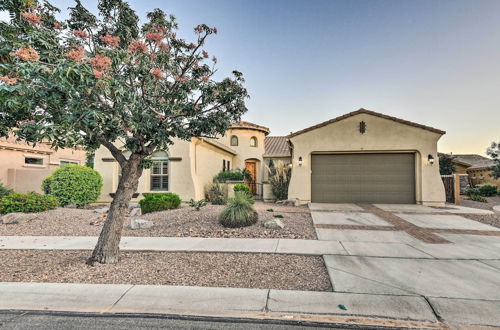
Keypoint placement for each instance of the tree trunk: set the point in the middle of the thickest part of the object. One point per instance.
(107, 249)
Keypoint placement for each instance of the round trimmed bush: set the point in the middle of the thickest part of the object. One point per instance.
(238, 212)
(27, 203)
(159, 202)
(74, 184)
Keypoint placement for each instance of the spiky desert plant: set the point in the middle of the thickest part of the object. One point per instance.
(279, 178)
(238, 212)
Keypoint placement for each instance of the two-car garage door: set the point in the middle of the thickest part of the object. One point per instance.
(363, 178)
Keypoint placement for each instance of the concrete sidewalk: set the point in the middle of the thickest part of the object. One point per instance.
(219, 302)
(353, 243)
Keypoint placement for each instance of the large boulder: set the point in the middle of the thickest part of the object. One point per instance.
(274, 224)
(17, 217)
(140, 224)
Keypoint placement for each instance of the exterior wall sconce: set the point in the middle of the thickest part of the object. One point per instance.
(430, 158)
(300, 161)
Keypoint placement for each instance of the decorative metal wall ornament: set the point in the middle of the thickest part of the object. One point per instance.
(362, 127)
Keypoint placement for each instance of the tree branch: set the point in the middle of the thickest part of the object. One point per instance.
(117, 154)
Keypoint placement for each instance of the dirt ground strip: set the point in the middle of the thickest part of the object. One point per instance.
(182, 222)
(241, 270)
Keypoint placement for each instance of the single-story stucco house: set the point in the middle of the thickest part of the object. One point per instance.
(477, 168)
(23, 167)
(360, 157)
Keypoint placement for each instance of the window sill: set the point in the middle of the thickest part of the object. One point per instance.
(34, 166)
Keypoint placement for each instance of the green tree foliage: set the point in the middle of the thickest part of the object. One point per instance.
(446, 165)
(29, 203)
(494, 152)
(238, 212)
(74, 184)
(109, 80)
(159, 202)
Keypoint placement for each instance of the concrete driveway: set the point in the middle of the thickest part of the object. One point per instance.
(414, 250)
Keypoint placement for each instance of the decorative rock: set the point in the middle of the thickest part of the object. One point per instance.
(140, 224)
(274, 224)
(70, 206)
(135, 212)
(17, 217)
(496, 208)
(133, 205)
(102, 210)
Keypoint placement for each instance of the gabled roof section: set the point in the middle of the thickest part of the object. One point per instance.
(276, 146)
(368, 112)
(247, 125)
(219, 145)
(473, 161)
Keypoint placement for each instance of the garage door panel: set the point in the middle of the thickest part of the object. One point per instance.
(363, 178)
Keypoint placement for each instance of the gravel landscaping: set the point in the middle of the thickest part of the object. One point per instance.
(182, 222)
(241, 270)
(492, 219)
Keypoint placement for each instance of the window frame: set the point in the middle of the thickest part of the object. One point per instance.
(41, 159)
(231, 141)
(255, 141)
(161, 161)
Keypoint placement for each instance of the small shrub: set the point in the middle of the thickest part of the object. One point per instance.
(197, 205)
(488, 190)
(233, 175)
(478, 198)
(238, 212)
(4, 191)
(270, 210)
(242, 187)
(159, 202)
(74, 184)
(216, 193)
(472, 192)
(27, 203)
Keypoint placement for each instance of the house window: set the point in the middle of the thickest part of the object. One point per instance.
(159, 171)
(234, 141)
(66, 162)
(223, 164)
(228, 164)
(33, 161)
(253, 141)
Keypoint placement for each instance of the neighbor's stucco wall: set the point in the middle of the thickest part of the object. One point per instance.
(382, 135)
(28, 177)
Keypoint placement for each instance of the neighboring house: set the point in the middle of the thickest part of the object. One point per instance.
(477, 168)
(361, 157)
(23, 167)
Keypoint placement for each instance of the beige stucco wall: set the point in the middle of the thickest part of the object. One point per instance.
(28, 177)
(382, 135)
(193, 164)
(245, 151)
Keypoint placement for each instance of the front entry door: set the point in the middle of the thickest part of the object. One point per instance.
(252, 168)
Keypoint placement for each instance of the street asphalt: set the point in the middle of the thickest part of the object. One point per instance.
(69, 321)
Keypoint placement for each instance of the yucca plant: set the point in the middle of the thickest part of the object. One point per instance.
(238, 212)
(279, 178)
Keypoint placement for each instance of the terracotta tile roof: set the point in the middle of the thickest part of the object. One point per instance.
(247, 125)
(474, 161)
(276, 146)
(369, 112)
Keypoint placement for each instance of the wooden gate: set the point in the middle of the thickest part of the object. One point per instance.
(449, 187)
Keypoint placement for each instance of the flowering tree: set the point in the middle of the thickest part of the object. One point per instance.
(106, 80)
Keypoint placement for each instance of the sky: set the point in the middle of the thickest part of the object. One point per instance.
(306, 61)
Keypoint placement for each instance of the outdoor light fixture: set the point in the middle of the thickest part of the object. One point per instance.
(430, 158)
(300, 161)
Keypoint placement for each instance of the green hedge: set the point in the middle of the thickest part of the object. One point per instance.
(155, 202)
(233, 175)
(27, 203)
(488, 190)
(74, 184)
